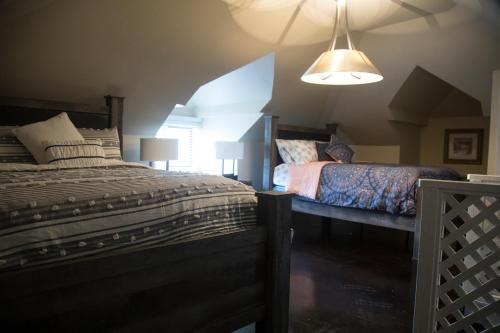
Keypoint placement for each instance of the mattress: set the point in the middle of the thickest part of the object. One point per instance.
(381, 187)
(50, 216)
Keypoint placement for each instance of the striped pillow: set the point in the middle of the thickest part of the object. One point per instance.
(110, 140)
(13, 151)
(76, 153)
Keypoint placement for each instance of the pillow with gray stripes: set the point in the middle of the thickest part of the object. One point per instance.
(74, 153)
(108, 136)
(13, 151)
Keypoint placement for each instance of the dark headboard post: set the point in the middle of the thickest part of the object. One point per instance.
(270, 150)
(332, 128)
(274, 130)
(115, 107)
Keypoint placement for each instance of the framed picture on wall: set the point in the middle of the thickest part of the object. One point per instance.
(463, 146)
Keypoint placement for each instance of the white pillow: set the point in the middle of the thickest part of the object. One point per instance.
(282, 149)
(297, 151)
(281, 175)
(77, 153)
(58, 128)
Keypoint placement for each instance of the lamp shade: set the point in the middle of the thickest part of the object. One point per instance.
(159, 149)
(342, 67)
(229, 150)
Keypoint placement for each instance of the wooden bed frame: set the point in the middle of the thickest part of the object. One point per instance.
(216, 284)
(274, 130)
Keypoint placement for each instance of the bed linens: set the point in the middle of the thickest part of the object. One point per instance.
(388, 188)
(50, 215)
(382, 187)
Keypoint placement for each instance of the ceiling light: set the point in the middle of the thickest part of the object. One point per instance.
(342, 66)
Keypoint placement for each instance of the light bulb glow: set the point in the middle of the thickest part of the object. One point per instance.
(342, 67)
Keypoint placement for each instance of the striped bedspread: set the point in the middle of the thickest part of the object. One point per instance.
(49, 216)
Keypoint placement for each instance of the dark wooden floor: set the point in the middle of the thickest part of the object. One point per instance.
(349, 286)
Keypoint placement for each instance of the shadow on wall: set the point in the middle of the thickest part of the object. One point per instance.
(423, 108)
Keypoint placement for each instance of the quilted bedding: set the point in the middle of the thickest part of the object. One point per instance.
(382, 187)
(50, 216)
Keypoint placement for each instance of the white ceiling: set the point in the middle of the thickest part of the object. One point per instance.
(158, 53)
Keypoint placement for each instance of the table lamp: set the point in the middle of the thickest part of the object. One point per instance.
(231, 151)
(159, 149)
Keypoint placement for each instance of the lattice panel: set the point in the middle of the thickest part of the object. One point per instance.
(468, 291)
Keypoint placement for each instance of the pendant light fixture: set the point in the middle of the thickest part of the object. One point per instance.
(342, 66)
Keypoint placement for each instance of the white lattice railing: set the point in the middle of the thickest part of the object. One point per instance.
(458, 278)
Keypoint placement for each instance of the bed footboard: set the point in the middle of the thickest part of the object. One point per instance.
(216, 284)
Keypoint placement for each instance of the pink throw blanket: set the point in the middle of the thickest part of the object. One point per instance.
(304, 178)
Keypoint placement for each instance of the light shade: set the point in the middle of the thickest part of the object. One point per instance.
(229, 150)
(342, 67)
(159, 149)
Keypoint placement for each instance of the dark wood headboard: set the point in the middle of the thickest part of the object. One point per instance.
(22, 111)
(274, 130)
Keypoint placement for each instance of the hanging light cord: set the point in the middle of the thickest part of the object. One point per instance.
(336, 26)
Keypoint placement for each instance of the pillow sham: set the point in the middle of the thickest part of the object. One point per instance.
(297, 151)
(281, 175)
(58, 128)
(320, 150)
(285, 156)
(340, 152)
(13, 151)
(110, 140)
(76, 153)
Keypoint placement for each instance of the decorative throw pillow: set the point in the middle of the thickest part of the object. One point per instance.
(297, 151)
(79, 153)
(320, 149)
(56, 128)
(340, 152)
(110, 140)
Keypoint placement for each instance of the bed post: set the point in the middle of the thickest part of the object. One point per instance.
(115, 107)
(270, 135)
(275, 212)
(332, 128)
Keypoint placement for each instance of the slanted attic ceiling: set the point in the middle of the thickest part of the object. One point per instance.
(158, 53)
(424, 95)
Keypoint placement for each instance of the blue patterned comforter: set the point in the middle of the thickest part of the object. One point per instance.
(383, 187)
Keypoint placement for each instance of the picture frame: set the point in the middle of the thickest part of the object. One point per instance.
(463, 146)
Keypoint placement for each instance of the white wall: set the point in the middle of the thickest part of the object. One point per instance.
(463, 54)
(494, 149)
(376, 154)
(131, 144)
(158, 55)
